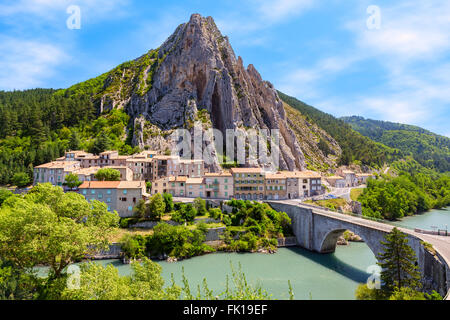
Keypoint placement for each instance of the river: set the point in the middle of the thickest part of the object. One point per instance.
(312, 275)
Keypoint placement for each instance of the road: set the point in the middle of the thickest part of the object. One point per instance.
(440, 243)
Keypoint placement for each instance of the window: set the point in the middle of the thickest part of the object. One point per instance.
(108, 200)
(108, 191)
(130, 208)
(226, 194)
(226, 187)
(84, 192)
(100, 196)
(125, 191)
(92, 191)
(226, 180)
(124, 199)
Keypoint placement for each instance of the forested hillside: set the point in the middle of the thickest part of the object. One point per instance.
(428, 149)
(355, 147)
(37, 126)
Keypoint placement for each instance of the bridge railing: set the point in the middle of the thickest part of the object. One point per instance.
(353, 215)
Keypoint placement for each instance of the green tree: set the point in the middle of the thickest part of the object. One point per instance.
(133, 246)
(74, 142)
(101, 143)
(72, 181)
(49, 227)
(140, 209)
(168, 200)
(21, 179)
(105, 283)
(398, 263)
(4, 194)
(155, 208)
(107, 174)
(200, 206)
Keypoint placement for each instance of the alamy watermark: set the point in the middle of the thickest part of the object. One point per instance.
(74, 279)
(255, 147)
(74, 20)
(374, 281)
(373, 22)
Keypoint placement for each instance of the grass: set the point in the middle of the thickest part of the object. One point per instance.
(332, 204)
(355, 193)
(120, 233)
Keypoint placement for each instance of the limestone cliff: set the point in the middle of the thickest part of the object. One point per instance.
(195, 76)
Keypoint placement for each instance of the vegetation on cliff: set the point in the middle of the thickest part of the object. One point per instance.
(355, 147)
(429, 149)
(396, 197)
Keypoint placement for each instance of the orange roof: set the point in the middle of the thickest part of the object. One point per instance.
(100, 185)
(276, 175)
(246, 170)
(218, 174)
(58, 164)
(131, 184)
(178, 179)
(302, 174)
(194, 181)
(335, 178)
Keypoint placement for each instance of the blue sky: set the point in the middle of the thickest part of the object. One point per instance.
(321, 52)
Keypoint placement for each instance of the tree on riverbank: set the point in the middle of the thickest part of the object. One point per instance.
(146, 283)
(396, 197)
(399, 263)
(400, 274)
(49, 227)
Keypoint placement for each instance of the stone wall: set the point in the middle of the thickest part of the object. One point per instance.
(114, 252)
(319, 232)
(151, 224)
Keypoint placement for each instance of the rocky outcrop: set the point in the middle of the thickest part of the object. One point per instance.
(196, 70)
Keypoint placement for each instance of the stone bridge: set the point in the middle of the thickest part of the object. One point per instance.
(318, 230)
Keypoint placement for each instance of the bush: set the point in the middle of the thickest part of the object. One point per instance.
(133, 246)
(168, 201)
(200, 206)
(21, 179)
(125, 222)
(215, 213)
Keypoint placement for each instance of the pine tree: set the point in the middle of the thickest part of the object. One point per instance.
(74, 142)
(398, 263)
(101, 143)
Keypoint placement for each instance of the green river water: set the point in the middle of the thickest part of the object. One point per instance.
(312, 275)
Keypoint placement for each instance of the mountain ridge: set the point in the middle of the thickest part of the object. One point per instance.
(193, 77)
(196, 69)
(427, 148)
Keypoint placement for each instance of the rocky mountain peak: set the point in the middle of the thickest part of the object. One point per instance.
(195, 71)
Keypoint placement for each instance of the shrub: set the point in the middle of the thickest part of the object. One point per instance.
(215, 213)
(133, 246)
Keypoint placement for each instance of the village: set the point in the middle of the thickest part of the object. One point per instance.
(183, 179)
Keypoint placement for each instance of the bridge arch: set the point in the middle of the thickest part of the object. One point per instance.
(328, 231)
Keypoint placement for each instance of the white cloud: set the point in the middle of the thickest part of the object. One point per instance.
(306, 82)
(411, 50)
(49, 8)
(25, 64)
(275, 11)
(413, 30)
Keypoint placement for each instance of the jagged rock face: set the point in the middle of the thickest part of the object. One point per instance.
(199, 68)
